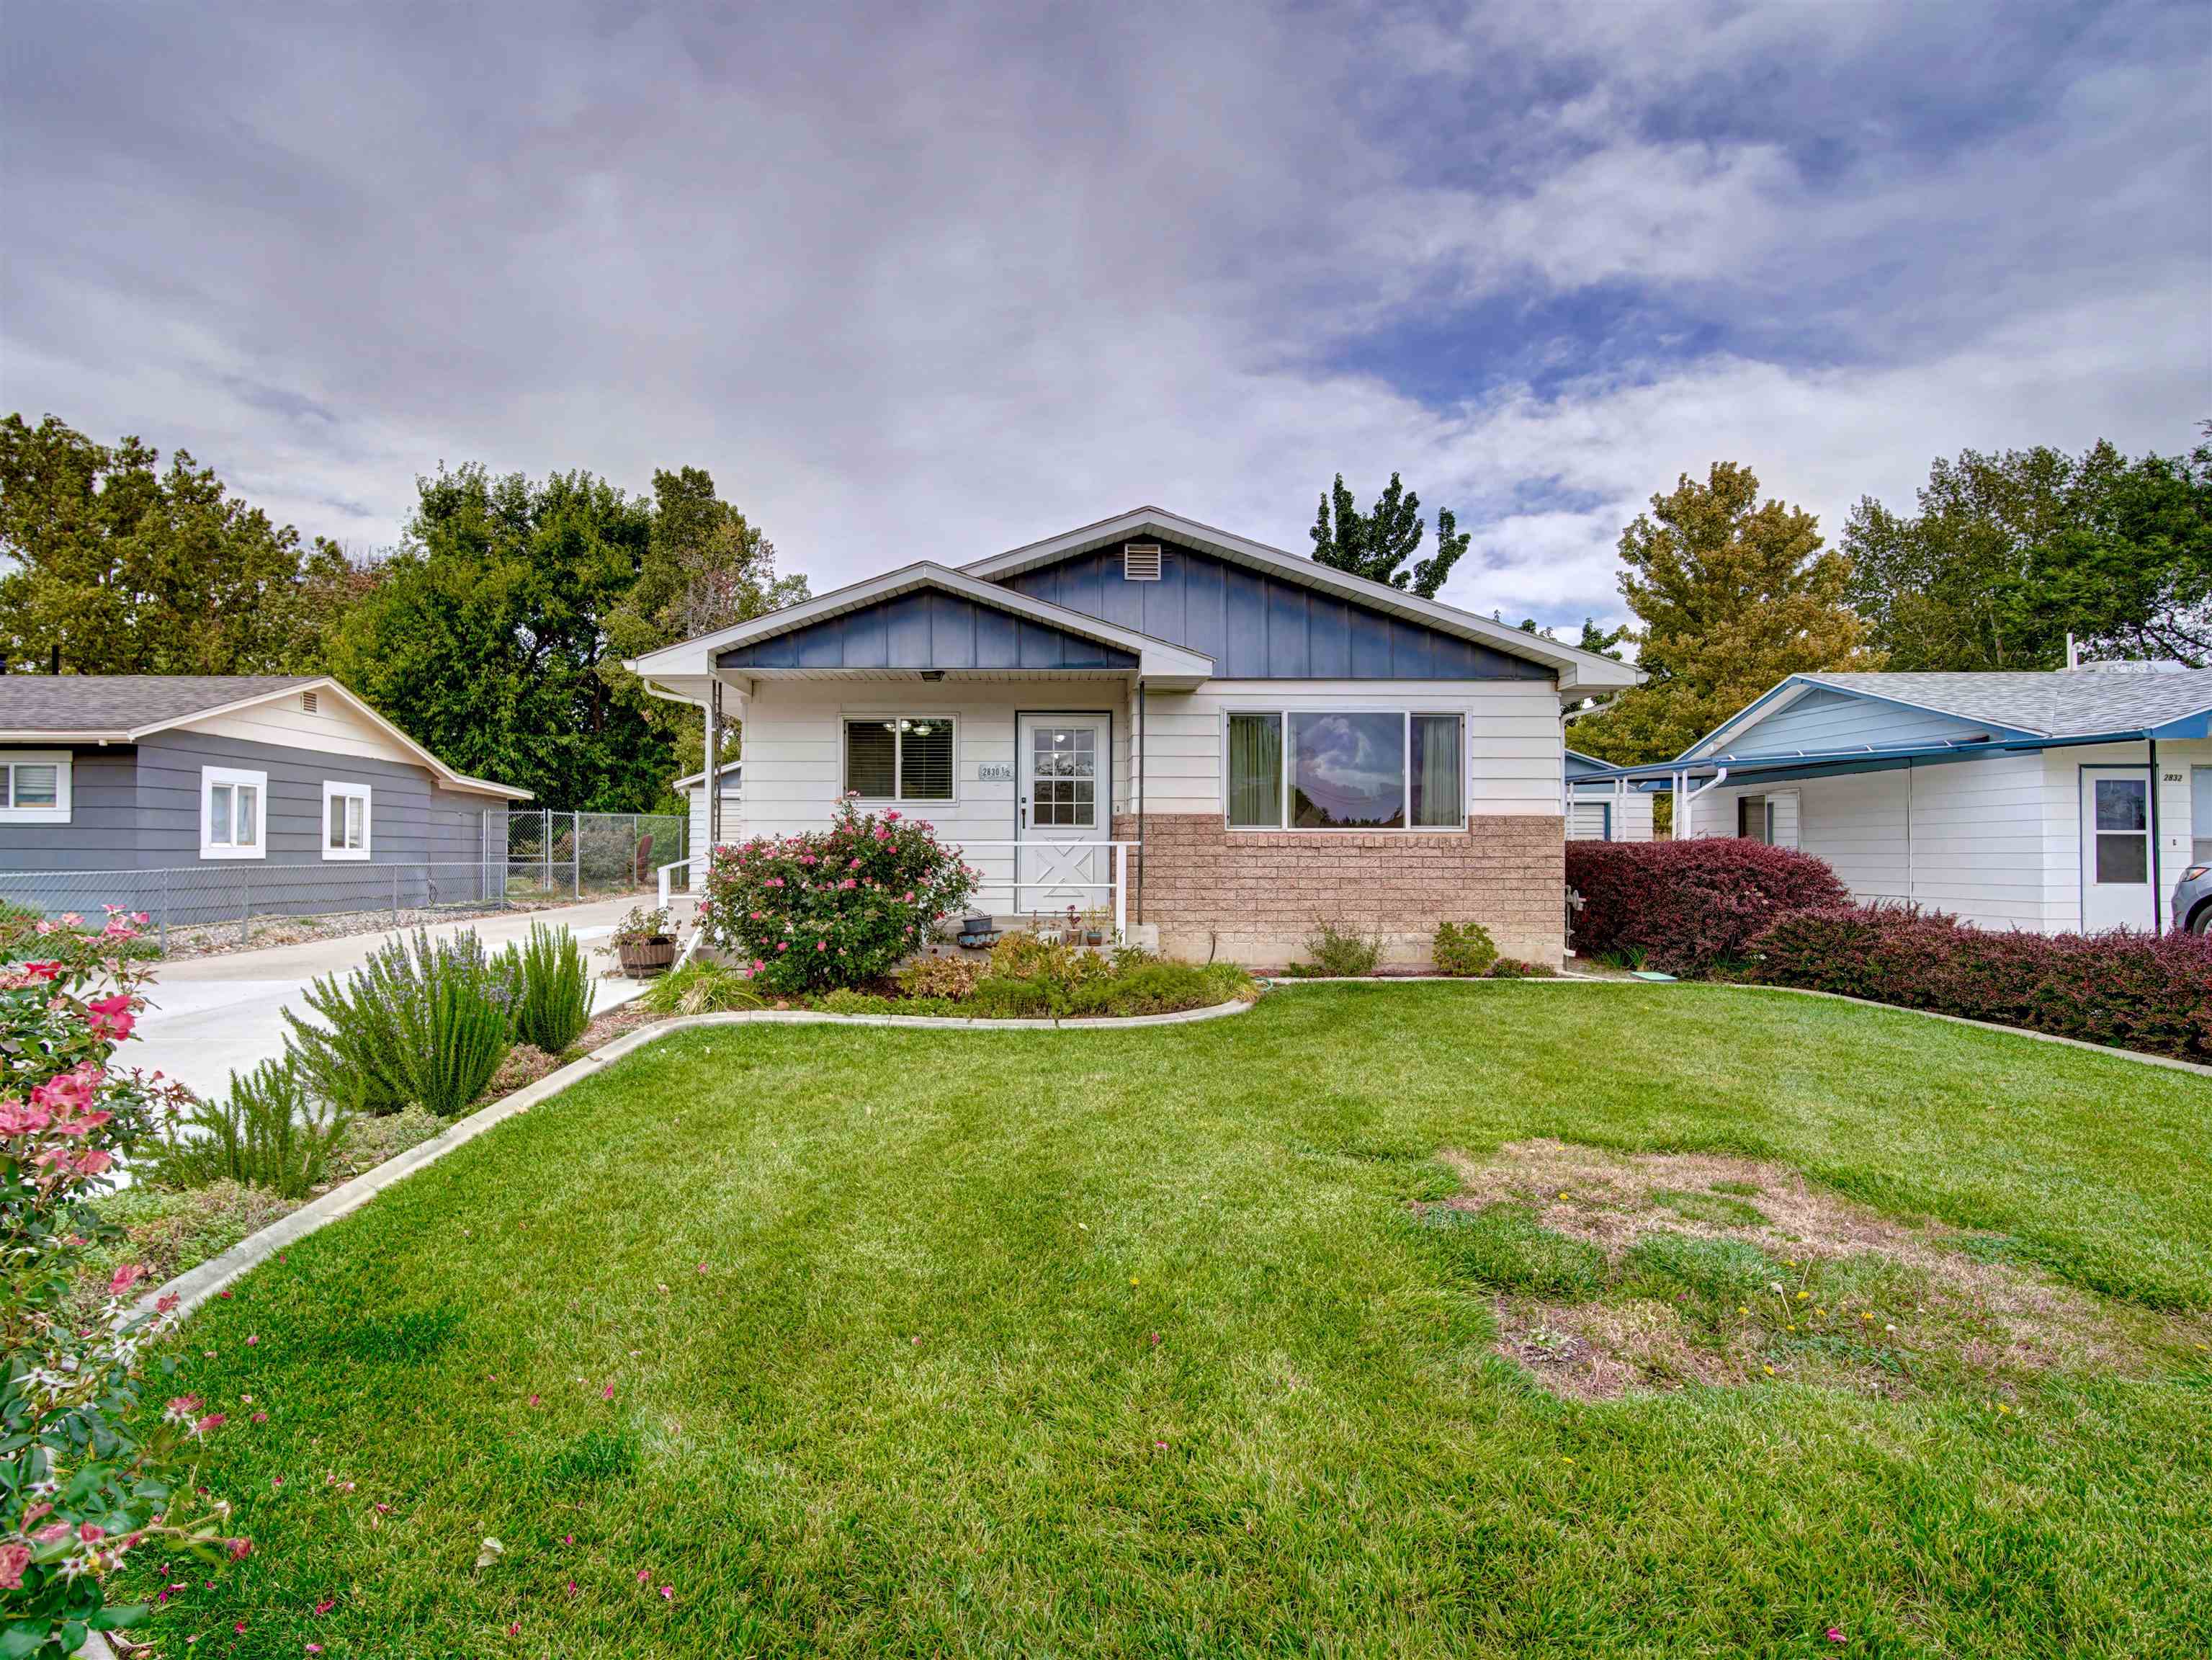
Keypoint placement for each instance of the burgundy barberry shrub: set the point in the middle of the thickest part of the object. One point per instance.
(2137, 991)
(1689, 907)
(840, 907)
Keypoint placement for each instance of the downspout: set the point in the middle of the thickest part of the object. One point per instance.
(1144, 760)
(2157, 896)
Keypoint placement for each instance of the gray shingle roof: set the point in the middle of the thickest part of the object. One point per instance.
(124, 702)
(2052, 703)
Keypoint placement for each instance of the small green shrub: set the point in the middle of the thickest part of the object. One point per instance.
(372, 1138)
(953, 977)
(422, 1022)
(269, 1132)
(1512, 968)
(701, 987)
(553, 989)
(1504, 1247)
(1463, 948)
(1340, 952)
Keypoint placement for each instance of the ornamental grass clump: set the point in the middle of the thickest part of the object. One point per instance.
(426, 1022)
(269, 1132)
(840, 907)
(553, 990)
(85, 1480)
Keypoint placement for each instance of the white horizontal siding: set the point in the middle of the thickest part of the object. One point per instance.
(334, 728)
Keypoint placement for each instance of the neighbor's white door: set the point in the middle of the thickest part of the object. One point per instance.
(2116, 862)
(1067, 796)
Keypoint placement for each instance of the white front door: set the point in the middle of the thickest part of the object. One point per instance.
(1067, 766)
(2116, 862)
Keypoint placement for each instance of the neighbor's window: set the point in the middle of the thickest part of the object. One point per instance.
(1754, 818)
(905, 757)
(34, 786)
(231, 814)
(345, 820)
(1358, 769)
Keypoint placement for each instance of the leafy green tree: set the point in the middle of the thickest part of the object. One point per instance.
(2009, 553)
(1732, 594)
(486, 635)
(109, 565)
(706, 568)
(1603, 642)
(1377, 543)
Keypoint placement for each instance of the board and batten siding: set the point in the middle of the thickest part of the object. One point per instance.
(1515, 752)
(1255, 624)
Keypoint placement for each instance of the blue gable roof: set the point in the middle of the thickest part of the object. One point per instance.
(927, 629)
(1257, 626)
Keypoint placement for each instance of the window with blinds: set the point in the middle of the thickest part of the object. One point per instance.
(900, 759)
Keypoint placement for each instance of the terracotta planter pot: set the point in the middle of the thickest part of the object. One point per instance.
(646, 958)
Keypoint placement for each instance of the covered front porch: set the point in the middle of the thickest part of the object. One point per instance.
(1012, 727)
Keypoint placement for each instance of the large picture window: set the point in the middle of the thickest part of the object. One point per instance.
(1350, 769)
(905, 757)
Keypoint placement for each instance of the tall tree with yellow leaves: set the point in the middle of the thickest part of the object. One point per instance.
(1732, 594)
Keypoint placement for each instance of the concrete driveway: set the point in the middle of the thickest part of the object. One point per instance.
(212, 1016)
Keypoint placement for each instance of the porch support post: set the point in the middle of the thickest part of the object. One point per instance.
(713, 781)
(1121, 891)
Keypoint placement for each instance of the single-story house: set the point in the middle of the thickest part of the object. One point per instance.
(287, 788)
(693, 791)
(1601, 808)
(2059, 802)
(1211, 740)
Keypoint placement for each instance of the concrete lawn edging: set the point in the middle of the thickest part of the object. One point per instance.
(195, 1285)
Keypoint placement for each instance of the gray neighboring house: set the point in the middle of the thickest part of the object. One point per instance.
(192, 794)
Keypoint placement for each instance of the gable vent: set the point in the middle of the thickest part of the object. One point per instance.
(308, 701)
(1141, 562)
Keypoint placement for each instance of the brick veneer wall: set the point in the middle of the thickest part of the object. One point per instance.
(1251, 896)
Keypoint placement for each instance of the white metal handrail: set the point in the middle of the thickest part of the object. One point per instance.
(1059, 857)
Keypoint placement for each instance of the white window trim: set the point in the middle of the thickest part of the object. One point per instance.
(1353, 706)
(61, 760)
(209, 778)
(849, 717)
(335, 790)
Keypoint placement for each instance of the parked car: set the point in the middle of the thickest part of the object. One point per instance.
(2192, 900)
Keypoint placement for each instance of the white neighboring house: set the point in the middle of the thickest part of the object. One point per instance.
(1603, 808)
(1214, 740)
(693, 789)
(2065, 801)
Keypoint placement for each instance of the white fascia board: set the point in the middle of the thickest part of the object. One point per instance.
(693, 660)
(1579, 671)
(459, 781)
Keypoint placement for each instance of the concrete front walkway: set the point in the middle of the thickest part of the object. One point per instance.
(212, 1016)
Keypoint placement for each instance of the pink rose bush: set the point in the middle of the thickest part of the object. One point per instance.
(83, 1482)
(840, 907)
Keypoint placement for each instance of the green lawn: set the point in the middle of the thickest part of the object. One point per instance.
(1128, 1343)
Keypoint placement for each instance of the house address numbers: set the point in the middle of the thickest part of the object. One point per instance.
(995, 772)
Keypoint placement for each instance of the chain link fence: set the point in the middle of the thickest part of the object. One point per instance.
(587, 856)
(533, 859)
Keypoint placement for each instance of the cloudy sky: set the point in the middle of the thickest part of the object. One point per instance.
(913, 284)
